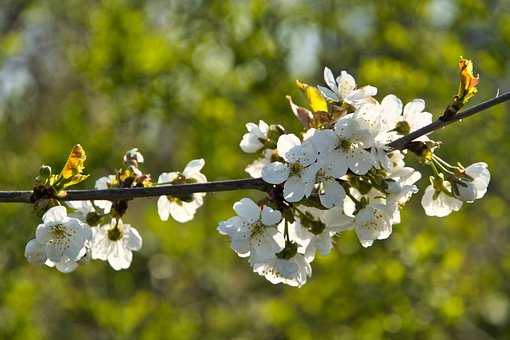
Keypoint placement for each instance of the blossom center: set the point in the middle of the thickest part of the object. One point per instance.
(345, 144)
(403, 128)
(256, 229)
(59, 232)
(295, 168)
(114, 234)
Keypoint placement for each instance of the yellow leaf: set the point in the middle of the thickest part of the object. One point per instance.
(315, 99)
(468, 82)
(75, 162)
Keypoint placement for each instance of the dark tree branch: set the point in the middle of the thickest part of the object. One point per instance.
(403, 142)
(239, 184)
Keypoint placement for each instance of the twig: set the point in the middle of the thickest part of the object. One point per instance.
(130, 193)
(403, 142)
(239, 184)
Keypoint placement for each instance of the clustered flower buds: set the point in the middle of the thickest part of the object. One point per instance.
(339, 174)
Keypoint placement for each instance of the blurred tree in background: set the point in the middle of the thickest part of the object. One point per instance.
(178, 79)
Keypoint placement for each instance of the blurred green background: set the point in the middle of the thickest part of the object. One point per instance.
(179, 79)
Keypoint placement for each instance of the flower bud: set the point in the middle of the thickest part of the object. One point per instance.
(45, 171)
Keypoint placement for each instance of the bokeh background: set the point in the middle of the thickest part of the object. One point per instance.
(179, 79)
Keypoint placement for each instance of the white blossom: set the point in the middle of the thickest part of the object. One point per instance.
(313, 233)
(115, 243)
(344, 88)
(253, 231)
(182, 209)
(438, 203)
(298, 172)
(372, 223)
(353, 139)
(477, 187)
(293, 271)
(253, 140)
(61, 236)
(35, 252)
(412, 118)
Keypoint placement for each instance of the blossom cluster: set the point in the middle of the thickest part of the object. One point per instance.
(94, 230)
(339, 174)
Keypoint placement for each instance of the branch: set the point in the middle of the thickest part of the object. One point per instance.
(239, 184)
(130, 193)
(403, 142)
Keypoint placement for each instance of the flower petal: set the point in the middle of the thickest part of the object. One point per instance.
(293, 189)
(193, 167)
(247, 209)
(275, 173)
(415, 106)
(163, 208)
(134, 240)
(55, 215)
(332, 194)
(269, 216)
(285, 143)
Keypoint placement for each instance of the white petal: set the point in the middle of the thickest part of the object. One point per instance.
(304, 154)
(285, 143)
(275, 173)
(55, 251)
(392, 111)
(333, 164)
(241, 247)
(324, 141)
(293, 189)
(332, 194)
(106, 206)
(442, 206)
(182, 212)
(247, 209)
(360, 160)
(329, 78)
(415, 106)
(254, 169)
(479, 171)
(101, 245)
(35, 252)
(265, 245)
(193, 167)
(167, 177)
(336, 221)
(134, 240)
(346, 84)
(163, 208)
(308, 176)
(120, 257)
(250, 143)
(269, 216)
(327, 93)
(264, 128)
(43, 233)
(419, 120)
(66, 266)
(55, 215)
(103, 182)
(344, 127)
